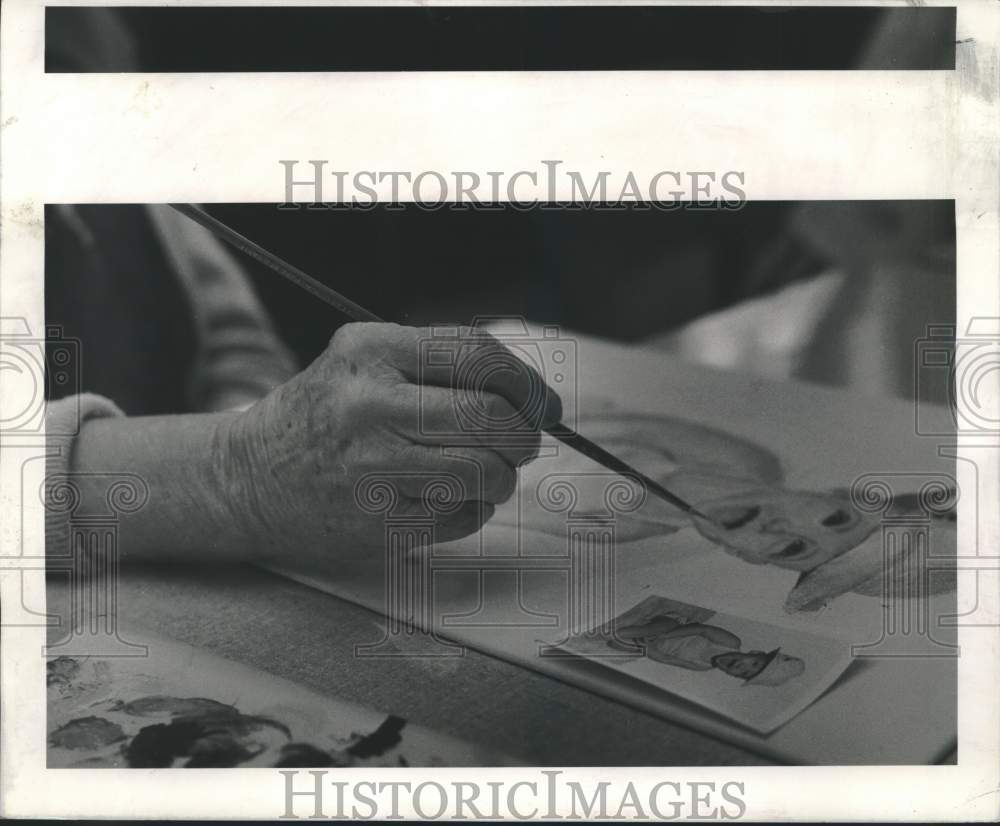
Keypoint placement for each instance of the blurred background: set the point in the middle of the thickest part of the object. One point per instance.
(831, 292)
(838, 293)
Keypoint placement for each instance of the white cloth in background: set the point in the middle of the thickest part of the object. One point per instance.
(766, 336)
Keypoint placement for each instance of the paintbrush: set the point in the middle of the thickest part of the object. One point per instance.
(356, 312)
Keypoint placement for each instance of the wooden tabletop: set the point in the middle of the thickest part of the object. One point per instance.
(266, 622)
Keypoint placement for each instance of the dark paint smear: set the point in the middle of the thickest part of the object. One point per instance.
(218, 751)
(212, 735)
(381, 740)
(156, 746)
(86, 733)
(61, 670)
(209, 740)
(838, 517)
(743, 519)
(305, 756)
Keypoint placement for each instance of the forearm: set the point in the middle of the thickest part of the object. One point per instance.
(190, 511)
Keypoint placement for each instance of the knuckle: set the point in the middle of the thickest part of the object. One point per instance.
(499, 411)
(476, 342)
(348, 337)
(404, 334)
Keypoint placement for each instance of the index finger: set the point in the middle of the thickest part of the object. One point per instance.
(470, 358)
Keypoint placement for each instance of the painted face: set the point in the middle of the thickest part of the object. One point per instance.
(791, 529)
(741, 664)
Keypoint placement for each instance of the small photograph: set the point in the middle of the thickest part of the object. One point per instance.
(758, 675)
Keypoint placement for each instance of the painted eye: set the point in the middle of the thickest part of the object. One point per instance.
(837, 518)
(732, 520)
(792, 549)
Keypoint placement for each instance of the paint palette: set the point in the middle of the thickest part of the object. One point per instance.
(180, 707)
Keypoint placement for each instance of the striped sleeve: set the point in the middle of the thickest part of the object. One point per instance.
(240, 357)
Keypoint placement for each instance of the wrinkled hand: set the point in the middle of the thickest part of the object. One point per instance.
(446, 438)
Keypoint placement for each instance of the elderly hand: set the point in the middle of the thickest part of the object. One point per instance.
(389, 404)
